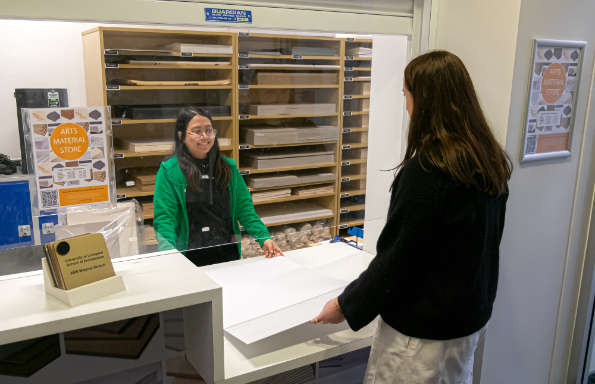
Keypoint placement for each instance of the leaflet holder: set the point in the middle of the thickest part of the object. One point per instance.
(82, 294)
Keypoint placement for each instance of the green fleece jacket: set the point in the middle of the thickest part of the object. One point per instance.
(171, 216)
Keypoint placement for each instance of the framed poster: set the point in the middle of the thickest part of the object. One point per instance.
(554, 82)
(70, 155)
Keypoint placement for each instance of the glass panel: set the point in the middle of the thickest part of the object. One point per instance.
(284, 123)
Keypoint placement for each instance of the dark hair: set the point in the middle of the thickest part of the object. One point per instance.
(189, 168)
(448, 129)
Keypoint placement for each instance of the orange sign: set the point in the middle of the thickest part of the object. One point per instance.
(69, 141)
(553, 142)
(553, 83)
(84, 195)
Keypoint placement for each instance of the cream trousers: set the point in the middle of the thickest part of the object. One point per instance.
(399, 359)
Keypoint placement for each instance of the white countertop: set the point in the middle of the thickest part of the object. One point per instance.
(154, 283)
(304, 344)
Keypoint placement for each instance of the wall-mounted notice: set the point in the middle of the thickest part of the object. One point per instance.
(555, 76)
(70, 155)
(222, 15)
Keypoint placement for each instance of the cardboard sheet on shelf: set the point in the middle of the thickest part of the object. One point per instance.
(296, 210)
(290, 158)
(264, 297)
(292, 109)
(289, 135)
(148, 144)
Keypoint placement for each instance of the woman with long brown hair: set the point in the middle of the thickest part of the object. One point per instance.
(434, 278)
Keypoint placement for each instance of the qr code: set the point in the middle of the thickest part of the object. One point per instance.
(49, 199)
(531, 144)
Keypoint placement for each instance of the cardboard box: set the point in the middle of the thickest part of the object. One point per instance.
(272, 78)
(289, 135)
(290, 158)
(292, 109)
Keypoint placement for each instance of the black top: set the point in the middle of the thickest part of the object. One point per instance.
(210, 235)
(436, 269)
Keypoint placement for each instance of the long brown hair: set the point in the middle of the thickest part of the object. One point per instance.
(221, 171)
(448, 129)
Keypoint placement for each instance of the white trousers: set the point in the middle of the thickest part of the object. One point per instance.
(399, 359)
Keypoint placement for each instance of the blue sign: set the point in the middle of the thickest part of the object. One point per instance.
(228, 15)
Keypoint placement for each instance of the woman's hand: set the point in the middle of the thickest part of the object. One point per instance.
(331, 313)
(271, 249)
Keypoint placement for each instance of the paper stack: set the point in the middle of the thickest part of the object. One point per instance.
(200, 48)
(360, 51)
(271, 195)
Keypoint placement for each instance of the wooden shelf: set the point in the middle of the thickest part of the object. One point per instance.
(158, 121)
(295, 68)
(352, 162)
(251, 146)
(252, 171)
(355, 113)
(171, 66)
(150, 242)
(132, 192)
(353, 97)
(293, 37)
(131, 52)
(290, 57)
(354, 146)
(352, 178)
(148, 216)
(257, 117)
(291, 186)
(351, 223)
(361, 79)
(167, 87)
(120, 154)
(358, 58)
(358, 40)
(290, 86)
(348, 130)
(352, 208)
(360, 69)
(300, 220)
(352, 192)
(294, 198)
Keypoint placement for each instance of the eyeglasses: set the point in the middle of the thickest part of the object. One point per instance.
(208, 132)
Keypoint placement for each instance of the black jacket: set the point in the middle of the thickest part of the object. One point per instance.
(436, 269)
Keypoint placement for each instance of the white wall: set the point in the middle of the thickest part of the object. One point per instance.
(543, 243)
(37, 55)
(541, 252)
(483, 34)
(384, 137)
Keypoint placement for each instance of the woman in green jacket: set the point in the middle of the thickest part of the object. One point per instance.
(200, 196)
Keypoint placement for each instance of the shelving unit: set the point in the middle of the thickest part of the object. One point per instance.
(168, 77)
(354, 138)
(285, 72)
(265, 81)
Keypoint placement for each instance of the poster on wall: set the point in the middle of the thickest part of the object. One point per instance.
(554, 82)
(70, 155)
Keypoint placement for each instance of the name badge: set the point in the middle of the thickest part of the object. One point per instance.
(204, 177)
(206, 229)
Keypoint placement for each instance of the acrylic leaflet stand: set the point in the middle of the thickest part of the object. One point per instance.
(82, 294)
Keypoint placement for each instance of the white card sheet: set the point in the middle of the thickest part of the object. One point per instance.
(263, 297)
